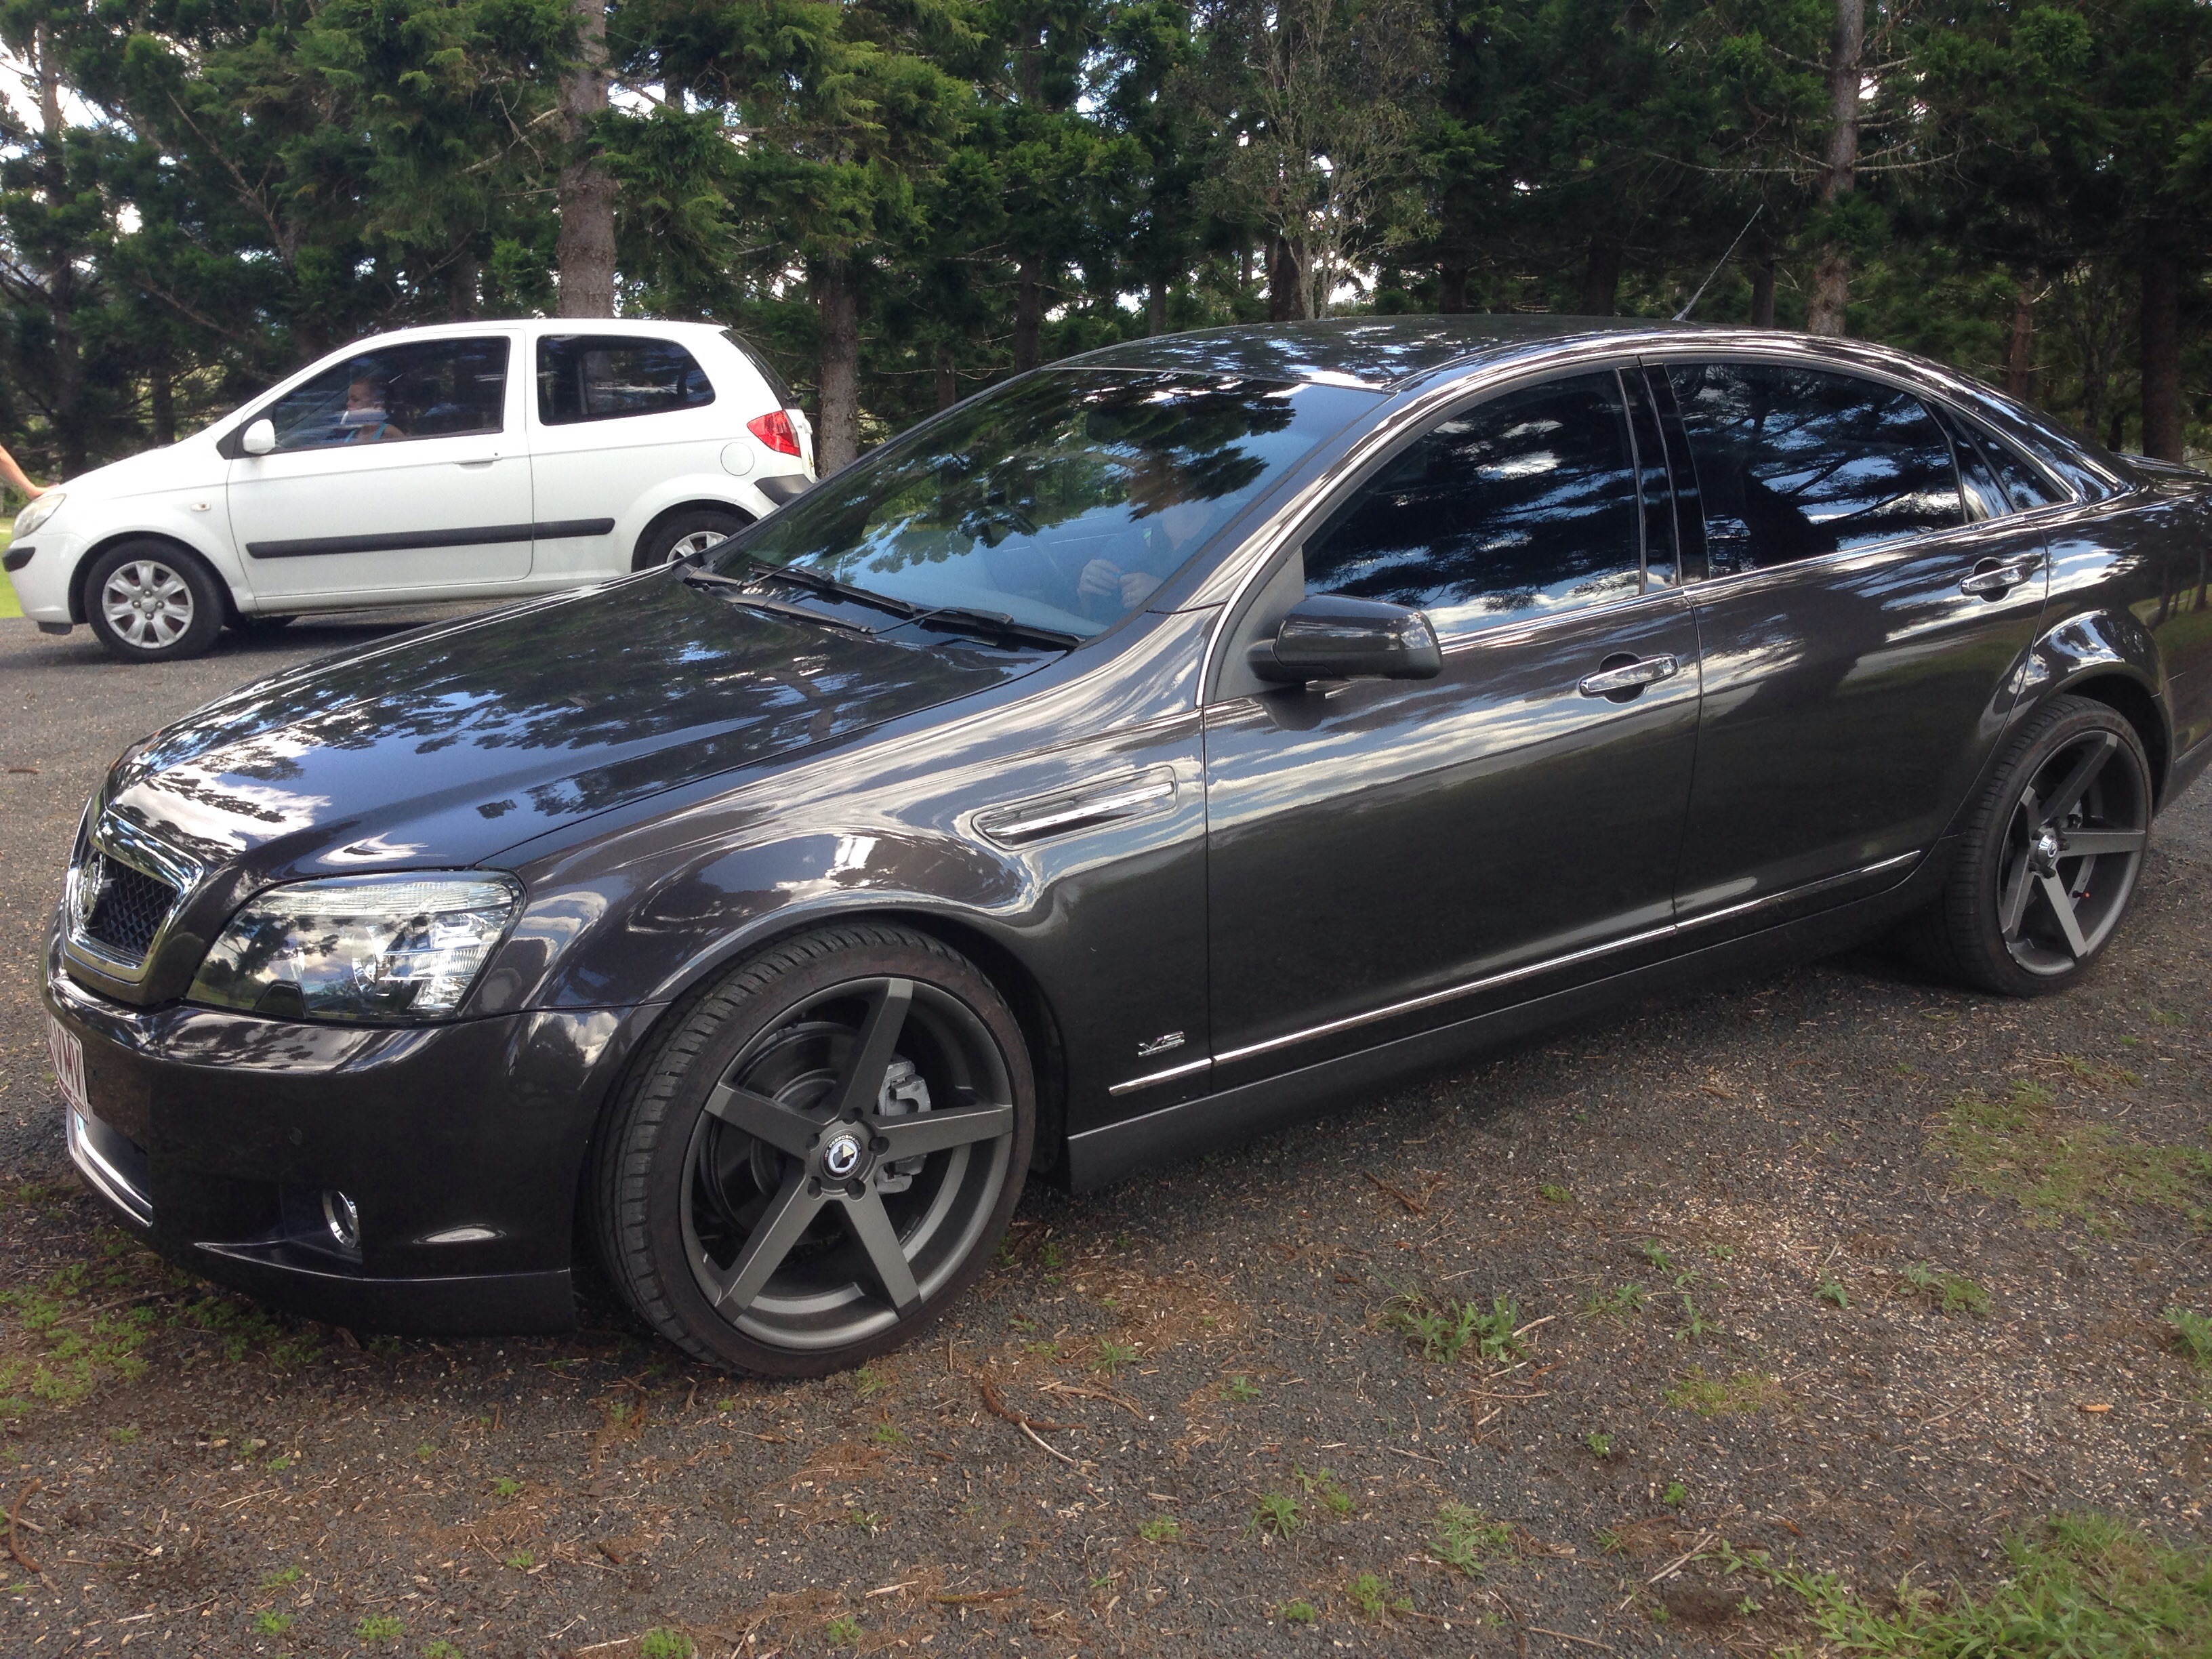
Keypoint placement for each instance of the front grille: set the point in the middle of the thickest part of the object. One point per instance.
(130, 907)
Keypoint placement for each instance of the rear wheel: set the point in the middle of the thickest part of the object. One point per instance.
(2051, 858)
(150, 601)
(820, 1154)
(685, 535)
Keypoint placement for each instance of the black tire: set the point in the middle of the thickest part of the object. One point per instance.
(258, 627)
(748, 1155)
(2063, 822)
(151, 601)
(681, 534)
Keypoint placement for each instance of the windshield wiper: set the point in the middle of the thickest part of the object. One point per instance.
(744, 595)
(831, 587)
(970, 620)
(959, 618)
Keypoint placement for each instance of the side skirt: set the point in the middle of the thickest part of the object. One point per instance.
(1115, 1151)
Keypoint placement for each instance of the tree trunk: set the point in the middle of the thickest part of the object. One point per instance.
(585, 253)
(839, 440)
(161, 405)
(1156, 307)
(1028, 316)
(1286, 294)
(1762, 292)
(1831, 279)
(2020, 347)
(1602, 278)
(948, 380)
(2160, 333)
(1451, 289)
(462, 290)
(2116, 427)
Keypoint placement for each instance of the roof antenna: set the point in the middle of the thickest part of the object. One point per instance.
(1683, 315)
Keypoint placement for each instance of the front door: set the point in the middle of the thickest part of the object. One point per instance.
(1454, 842)
(399, 472)
(1863, 631)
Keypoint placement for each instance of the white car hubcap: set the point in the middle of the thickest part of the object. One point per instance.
(146, 604)
(697, 541)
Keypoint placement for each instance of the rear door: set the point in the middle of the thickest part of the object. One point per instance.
(1862, 633)
(398, 472)
(1385, 855)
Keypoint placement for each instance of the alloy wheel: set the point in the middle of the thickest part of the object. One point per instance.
(846, 1163)
(698, 541)
(146, 604)
(2072, 849)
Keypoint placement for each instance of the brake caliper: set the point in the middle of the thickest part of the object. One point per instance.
(904, 1093)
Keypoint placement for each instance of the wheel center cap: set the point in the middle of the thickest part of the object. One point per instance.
(841, 1157)
(2045, 849)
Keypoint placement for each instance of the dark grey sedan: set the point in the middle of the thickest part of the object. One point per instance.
(1159, 747)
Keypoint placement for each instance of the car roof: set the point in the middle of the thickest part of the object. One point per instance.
(1380, 352)
(461, 328)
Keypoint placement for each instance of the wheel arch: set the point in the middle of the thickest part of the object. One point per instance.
(697, 504)
(83, 574)
(2128, 696)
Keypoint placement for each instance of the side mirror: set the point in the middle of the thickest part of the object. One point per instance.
(1328, 637)
(259, 439)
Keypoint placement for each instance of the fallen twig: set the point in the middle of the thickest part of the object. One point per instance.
(1671, 1568)
(1417, 1205)
(968, 1598)
(994, 1403)
(1586, 1641)
(1106, 1394)
(15, 1520)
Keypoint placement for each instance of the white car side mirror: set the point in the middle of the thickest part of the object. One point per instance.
(259, 439)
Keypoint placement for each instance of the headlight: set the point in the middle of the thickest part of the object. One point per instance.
(373, 948)
(38, 511)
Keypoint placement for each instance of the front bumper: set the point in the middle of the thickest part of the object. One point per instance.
(214, 1135)
(42, 585)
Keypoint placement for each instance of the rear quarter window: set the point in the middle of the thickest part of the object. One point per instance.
(607, 377)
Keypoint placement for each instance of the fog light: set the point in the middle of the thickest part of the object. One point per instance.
(343, 1219)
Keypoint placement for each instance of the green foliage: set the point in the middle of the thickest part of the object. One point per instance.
(1552, 1193)
(2076, 1585)
(1277, 1515)
(1322, 1483)
(1240, 1390)
(1296, 1612)
(1442, 1330)
(1832, 1289)
(268, 1623)
(1949, 1292)
(1461, 1537)
(1160, 1529)
(2056, 1167)
(2192, 1334)
(378, 1627)
(1373, 1598)
(1709, 1396)
(662, 1642)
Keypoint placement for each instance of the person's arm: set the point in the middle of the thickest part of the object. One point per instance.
(16, 476)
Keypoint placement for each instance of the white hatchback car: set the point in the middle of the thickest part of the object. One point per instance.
(472, 461)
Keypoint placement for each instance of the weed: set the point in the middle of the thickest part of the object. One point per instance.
(1442, 1330)
(1112, 1356)
(505, 1487)
(1832, 1289)
(1240, 1388)
(378, 1627)
(2055, 1168)
(1051, 1257)
(868, 1380)
(1322, 1483)
(1160, 1529)
(1675, 1496)
(1369, 1594)
(1695, 1326)
(441, 1650)
(2167, 1017)
(276, 1581)
(662, 1643)
(1599, 1442)
(426, 1453)
(522, 1560)
(889, 1434)
(1721, 1252)
(1552, 1193)
(1618, 1302)
(1463, 1537)
(1711, 1396)
(271, 1624)
(2192, 1333)
(1656, 1256)
(2077, 1584)
(123, 1436)
(1278, 1515)
(862, 1521)
(1296, 1613)
(728, 1402)
(1948, 1291)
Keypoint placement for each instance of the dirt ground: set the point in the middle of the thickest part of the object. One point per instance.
(1841, 1266)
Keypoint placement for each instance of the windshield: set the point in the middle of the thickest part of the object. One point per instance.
(1060, 500)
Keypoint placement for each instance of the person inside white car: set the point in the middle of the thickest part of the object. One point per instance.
(366, 419)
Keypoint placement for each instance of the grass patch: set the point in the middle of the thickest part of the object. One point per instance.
(1296, 1613)
(1621, 1302)
(1444, 1330)
(662, 1643)
(1322, 1483)
(1278, 1515)
(1713, 1396)
(2078, 1585)
(1463, 1538)
(378, 1627)
(2193, 1334)
(1160, 1529)
(2059, 1169)
(1371, 1597)
(1949, 1292)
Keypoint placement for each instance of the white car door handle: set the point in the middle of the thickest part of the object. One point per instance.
(478, 460)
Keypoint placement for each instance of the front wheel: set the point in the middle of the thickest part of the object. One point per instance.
(149, 601)
(2051, 857)
(819, 1154)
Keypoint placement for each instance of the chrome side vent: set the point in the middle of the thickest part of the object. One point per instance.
(1136, 794)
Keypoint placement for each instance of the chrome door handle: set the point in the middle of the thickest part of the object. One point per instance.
(1990, 581)
(1630, 677)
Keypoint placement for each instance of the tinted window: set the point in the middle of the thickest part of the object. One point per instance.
(1985, 496)
(1519, 506)
(603, 377)
(1793, 462)
(1062, 499)
(2024, 487)
(436, 389)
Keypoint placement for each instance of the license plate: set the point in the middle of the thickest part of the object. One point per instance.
(68, 1054)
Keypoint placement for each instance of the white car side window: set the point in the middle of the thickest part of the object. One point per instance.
(388, 394)
(604, 377)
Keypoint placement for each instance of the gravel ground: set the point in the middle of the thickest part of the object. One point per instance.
(1840, 1266)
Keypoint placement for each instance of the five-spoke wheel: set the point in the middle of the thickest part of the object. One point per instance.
(2050, 856)
(821, 1153)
